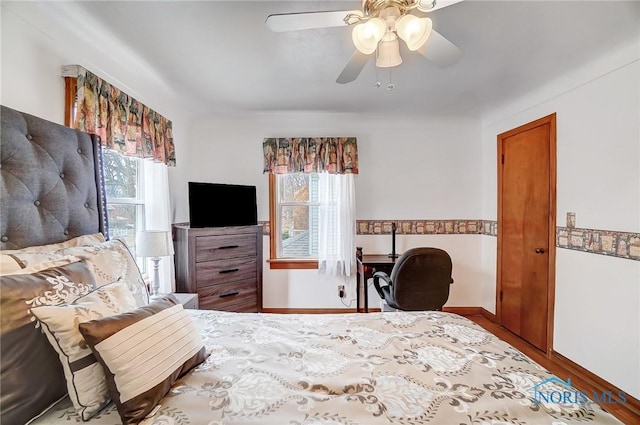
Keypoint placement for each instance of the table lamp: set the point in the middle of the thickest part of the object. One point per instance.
(153, 244)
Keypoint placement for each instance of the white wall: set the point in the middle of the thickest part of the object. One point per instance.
(597, 319)
(597, 299)
(30, 77)
(415, 168)
(37, 40)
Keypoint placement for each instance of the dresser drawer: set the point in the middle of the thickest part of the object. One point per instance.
(226, 296)
(222, 247)
(225, 271)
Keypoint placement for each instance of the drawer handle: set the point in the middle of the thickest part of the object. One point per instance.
(229, 270)
(229, 246)
(229, 294)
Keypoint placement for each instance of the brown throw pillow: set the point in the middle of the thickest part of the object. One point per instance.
(143, 353)
(31, 376)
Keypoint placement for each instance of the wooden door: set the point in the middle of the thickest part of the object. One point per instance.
(526, 230)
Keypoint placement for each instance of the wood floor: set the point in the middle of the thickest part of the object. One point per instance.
(619, 411)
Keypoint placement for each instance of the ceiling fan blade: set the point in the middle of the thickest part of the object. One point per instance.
(307, 20)
(353, 68)
(440, 51)
(439, 5)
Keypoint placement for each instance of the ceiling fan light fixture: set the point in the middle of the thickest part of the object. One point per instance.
(388, 54)
(413, 30)
(367, 35)
(426, 5)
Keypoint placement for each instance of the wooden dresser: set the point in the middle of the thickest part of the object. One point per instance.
(223, 265)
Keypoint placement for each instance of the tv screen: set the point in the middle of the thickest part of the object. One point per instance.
(221, 205)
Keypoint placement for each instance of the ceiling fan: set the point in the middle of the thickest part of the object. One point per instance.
(376, 29)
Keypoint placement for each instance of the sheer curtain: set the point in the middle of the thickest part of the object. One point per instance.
(337, 224)
(158, 214)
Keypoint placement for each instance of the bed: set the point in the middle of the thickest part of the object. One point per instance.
(234, 368)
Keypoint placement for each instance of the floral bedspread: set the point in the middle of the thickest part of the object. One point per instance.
(377, 368)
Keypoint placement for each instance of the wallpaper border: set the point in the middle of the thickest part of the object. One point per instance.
(595, 241)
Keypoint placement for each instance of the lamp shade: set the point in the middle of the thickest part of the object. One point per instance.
(367, 35)
(153, 243)
(388, 54)
(413, 30)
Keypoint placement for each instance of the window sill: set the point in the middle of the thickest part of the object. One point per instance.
(280, 263)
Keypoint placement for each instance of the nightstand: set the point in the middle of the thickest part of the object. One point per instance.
(187, 300)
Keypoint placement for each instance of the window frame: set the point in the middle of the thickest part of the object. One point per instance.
(274, 261)
(70, 103)
(138, 202)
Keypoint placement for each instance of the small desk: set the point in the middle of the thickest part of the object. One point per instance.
(367, 266)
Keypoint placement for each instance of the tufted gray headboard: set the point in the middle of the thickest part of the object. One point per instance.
(51, 182)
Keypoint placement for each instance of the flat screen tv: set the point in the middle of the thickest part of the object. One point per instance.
(221, 205)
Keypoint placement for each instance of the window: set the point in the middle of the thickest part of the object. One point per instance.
(297, 203)
(123, 182)
(124, 126)
(294, 220)
(125, 198)
(302, 223)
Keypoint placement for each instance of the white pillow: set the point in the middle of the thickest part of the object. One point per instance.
(84, 374)
(109, 261)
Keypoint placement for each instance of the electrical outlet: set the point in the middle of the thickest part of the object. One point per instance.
(341, 292)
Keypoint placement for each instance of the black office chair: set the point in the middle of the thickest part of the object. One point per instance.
(419, 280)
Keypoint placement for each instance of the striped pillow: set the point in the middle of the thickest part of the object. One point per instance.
(144, 352)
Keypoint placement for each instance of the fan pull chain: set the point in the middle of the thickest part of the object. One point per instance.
(378, 83)
(390, 86)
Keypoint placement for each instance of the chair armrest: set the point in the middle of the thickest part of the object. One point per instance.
(377, 276)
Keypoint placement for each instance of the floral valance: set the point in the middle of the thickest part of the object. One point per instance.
(123, 123)
(337, 155)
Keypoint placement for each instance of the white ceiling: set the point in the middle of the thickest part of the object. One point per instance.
(221, 55)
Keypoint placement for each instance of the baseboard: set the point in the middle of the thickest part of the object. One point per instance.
(631, 404)
(471, 311)
(314, 310)
(488, 315)
(462, 311)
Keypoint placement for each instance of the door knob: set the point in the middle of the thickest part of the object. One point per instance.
(539, 250)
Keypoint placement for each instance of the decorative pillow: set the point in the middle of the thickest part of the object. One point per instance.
(36, 258)
(111, 261)
(31, 377)
(144, 352)
(85, 377)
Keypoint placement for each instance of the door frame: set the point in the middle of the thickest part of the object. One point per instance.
(551, 271)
